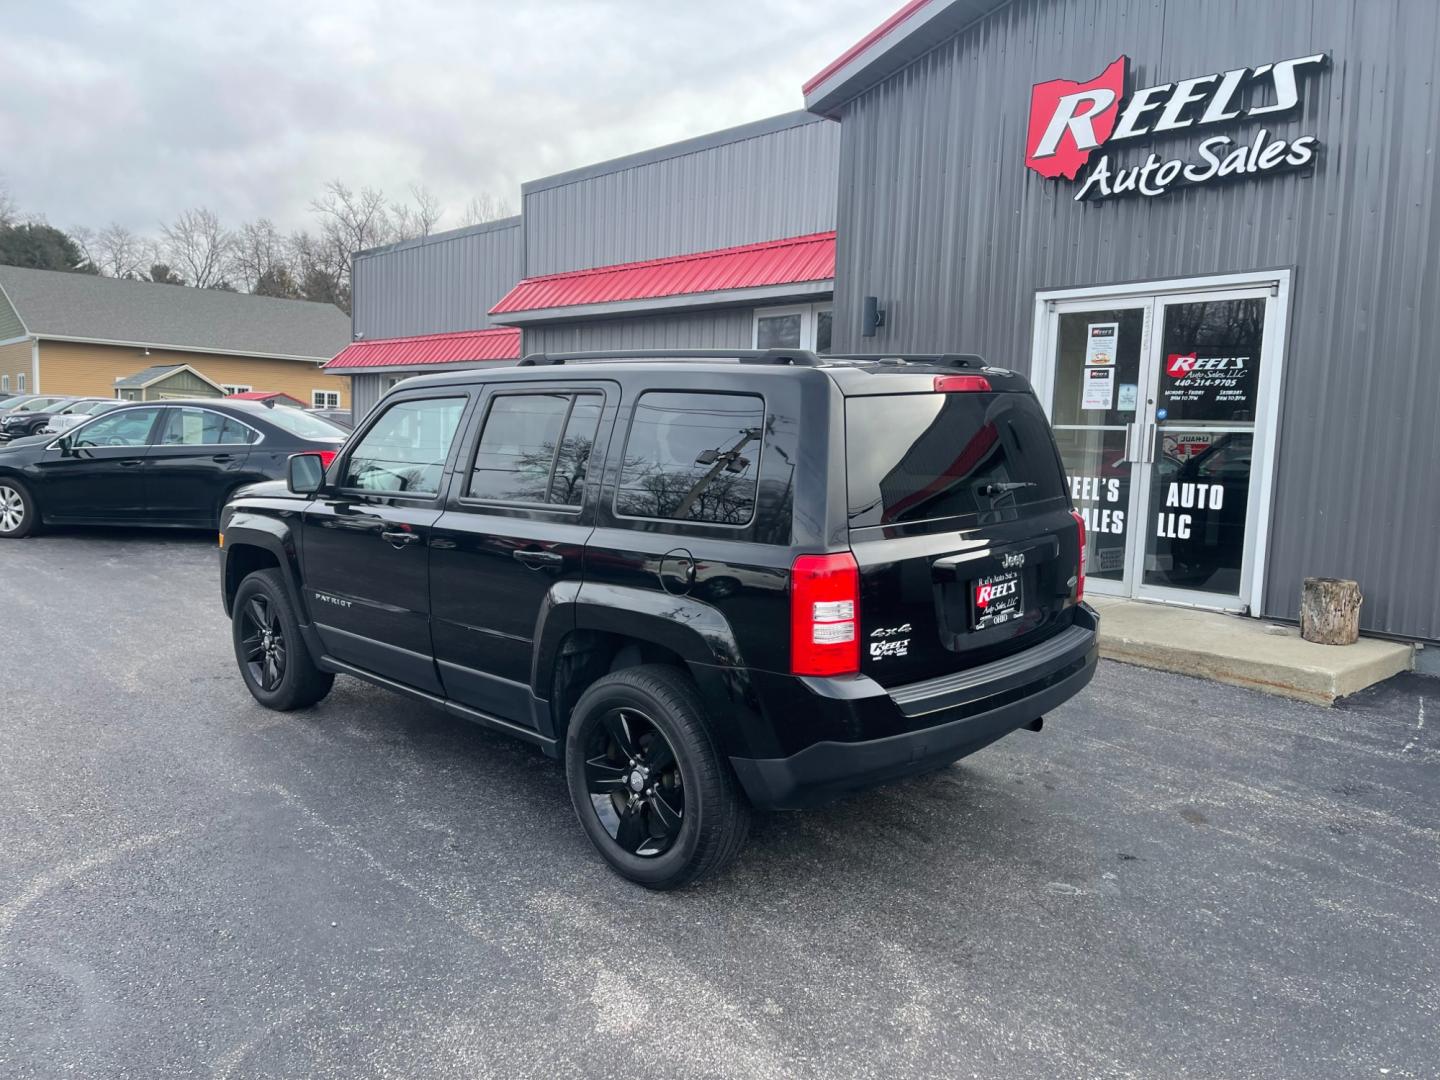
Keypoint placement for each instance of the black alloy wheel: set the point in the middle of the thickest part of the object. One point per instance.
(263, 638)
(634, 783)
(649, 783)
(269, 648)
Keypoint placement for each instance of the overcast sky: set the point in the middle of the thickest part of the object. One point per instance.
(131, 111)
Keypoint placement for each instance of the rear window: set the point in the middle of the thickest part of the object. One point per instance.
(304, 425)
(913, 457)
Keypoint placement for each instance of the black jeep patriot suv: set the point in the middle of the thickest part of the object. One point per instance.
(706, 581)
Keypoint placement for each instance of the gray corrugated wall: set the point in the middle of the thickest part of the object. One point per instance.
(940, 218)
(365, 391)
(722, 328)
(437, 284)
(773, 185)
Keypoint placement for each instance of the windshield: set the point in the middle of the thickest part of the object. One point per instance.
(303, 424)
(38, 405)
(913, 457)
(97, 407)
(11, 402)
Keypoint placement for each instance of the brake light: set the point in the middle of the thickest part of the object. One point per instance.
(1080, 585)
(962, 384)
(825, 615)
(326, 457)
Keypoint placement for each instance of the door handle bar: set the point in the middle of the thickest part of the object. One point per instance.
(538, 558)
(394, 536)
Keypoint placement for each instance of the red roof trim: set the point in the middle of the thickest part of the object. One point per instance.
(773, 262)
(496, 343)
(864, 43)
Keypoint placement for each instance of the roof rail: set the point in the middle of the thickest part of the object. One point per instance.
(778, 357)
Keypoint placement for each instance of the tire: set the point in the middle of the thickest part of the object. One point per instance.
(689, 781)
(277, 668)
(19, 512)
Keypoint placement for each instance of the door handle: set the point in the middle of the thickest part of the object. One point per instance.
(222, 457)
(536, 559)
(129, 462)
(399, 538)
(1149, 448)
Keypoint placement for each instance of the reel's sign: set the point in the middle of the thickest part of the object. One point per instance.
(1069, 121)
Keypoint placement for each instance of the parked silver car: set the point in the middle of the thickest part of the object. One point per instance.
(72, 414)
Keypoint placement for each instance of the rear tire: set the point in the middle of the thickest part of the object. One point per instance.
(684, 815)
(19, 513)
(273, 657)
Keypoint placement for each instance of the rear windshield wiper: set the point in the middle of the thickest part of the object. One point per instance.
(1000, 487)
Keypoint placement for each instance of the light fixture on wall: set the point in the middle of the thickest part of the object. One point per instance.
(872, 316)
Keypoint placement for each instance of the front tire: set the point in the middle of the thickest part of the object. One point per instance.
(19, 513)
(274, 660)
(649, 785)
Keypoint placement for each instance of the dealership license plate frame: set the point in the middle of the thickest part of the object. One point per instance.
(997, 611)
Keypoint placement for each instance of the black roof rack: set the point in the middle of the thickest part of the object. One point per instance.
(778, 357)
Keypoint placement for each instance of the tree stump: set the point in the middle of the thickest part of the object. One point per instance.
(1330, 611)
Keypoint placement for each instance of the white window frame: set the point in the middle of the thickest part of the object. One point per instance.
(5, 385)
(809, 320)
(320, 399)
(20, 382)
(239, 388)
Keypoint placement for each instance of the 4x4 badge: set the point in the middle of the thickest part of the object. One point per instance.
(890, 631)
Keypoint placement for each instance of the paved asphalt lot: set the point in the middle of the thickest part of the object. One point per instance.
(1173, 880)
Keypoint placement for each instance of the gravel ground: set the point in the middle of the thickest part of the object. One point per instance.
(1176, 879)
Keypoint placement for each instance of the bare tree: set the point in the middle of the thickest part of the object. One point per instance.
(419, 220)
(486, 207)
(85, 238)
(260, 252)
(119, 253)
(9, 210)
(320, 272)
(199, 247)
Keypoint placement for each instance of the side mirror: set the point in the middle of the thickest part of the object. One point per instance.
(305, 473)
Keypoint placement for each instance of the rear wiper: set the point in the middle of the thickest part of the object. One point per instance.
(1002, 487)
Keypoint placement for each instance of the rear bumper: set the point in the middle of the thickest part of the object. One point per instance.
(962, 713)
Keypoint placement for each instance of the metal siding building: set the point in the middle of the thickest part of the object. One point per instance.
(762, 181)
(939, 218)
(443, 283)
(767, 181)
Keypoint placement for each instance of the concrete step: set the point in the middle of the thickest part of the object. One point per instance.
(1243, 651)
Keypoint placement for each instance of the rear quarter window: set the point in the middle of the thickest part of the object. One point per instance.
(916, 457)
(692, 457)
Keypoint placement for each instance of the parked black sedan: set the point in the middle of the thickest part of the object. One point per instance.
(171, 463)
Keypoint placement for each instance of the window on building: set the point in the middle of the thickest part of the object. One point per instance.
(324, 399)
(535, 448)
(404, 451)
(201, 427)
(4, 384)
(22, 382)
(236, 388)
(692, 457)
(804, 326)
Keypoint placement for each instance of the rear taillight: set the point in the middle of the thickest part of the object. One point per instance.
(1080, 583)
(326, 457)
(825, 615)
(962, 384)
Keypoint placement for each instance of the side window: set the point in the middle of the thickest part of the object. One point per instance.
(201, 427)
(692, 457)
(405, 450)
(535, 448)
(125, 427)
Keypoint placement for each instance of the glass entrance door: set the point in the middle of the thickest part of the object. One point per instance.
(1162, 406)
(1208, 362)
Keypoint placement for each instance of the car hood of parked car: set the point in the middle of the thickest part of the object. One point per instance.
(266, 489)
(27, 440)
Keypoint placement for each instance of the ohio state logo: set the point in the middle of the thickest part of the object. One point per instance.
(1178, 365)
(1069, 121)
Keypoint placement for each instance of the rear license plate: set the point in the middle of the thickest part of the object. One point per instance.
(996, 600)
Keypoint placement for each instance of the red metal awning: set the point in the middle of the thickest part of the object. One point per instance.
(775, 262)
(498, 343)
